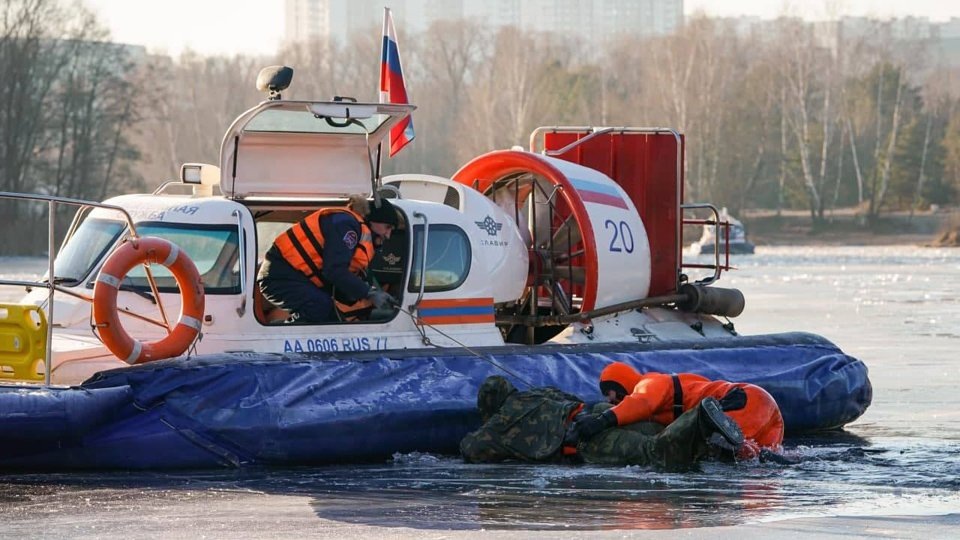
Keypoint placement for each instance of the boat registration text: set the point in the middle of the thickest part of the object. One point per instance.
(332, 344)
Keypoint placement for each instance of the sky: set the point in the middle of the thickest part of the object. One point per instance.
(256, 26)
(937, 10)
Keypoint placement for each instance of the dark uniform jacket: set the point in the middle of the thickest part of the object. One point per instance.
(343, 232)
(527, 426)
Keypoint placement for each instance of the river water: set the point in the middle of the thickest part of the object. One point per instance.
(895, 307)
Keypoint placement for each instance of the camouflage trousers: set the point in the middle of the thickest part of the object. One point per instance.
(677, 446)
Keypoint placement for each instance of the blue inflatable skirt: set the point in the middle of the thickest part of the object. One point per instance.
(244, 409)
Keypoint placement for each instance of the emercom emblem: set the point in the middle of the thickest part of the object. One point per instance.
(488, 224)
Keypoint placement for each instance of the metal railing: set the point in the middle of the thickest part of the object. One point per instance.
(423, 260)
(717, 225)
(50, 283)
(242, 242)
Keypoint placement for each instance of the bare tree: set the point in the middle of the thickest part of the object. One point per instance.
(444, 66)
(800, 69)
(81, 117)
(194, 100)
(878, 193)
(65, 108)
(517, 90)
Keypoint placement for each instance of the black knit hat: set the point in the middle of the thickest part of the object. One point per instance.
(386, 213)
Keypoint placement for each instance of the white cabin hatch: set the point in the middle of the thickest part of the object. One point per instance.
(305, 149)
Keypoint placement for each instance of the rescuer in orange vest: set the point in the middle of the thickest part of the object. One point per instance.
(317, 262)
(661, 398)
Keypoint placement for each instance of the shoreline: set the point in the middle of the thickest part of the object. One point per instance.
(839, 239)
(846, 227)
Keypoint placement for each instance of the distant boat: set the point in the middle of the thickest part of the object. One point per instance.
(735, 244)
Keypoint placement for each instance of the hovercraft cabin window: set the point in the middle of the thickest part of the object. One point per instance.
(86, 247)
(214, 249)
(448, 258)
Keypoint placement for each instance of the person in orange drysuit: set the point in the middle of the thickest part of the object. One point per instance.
(654, 397)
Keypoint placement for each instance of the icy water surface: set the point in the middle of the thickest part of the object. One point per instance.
(896, 308)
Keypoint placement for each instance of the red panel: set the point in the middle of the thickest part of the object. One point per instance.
(645, 166)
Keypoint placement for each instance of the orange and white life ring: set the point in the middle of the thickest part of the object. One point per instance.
(106, 317)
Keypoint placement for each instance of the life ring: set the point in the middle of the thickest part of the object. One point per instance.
(107, 319)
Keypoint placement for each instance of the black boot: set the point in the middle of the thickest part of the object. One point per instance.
(696, 434)
(720, 429)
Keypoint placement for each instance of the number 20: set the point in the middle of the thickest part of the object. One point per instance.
(623, 234)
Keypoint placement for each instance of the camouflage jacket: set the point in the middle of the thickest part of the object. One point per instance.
(527, 426)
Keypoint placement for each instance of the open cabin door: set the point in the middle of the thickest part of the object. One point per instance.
(304, 149)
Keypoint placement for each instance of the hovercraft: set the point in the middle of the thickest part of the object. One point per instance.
(542, 265)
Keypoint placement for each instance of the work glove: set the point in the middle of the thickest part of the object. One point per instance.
(588, 426)
(735, 400)
(380, 298)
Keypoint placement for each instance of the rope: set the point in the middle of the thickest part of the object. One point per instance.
(486, 359)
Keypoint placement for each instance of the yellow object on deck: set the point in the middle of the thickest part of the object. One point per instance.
(23, 342)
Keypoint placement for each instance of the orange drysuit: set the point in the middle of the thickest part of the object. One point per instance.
(651, 397)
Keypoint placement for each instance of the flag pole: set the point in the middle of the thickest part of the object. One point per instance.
(377, 170)
(383, 56)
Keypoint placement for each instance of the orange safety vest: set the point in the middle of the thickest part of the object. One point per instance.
(302, 245)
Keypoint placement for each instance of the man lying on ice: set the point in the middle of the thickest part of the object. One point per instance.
(540, 425)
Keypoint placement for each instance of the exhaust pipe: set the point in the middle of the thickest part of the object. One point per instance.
(711, 300)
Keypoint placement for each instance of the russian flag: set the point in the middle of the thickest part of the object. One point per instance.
(392, 89)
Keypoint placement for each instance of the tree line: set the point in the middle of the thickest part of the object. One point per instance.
(778, 118)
